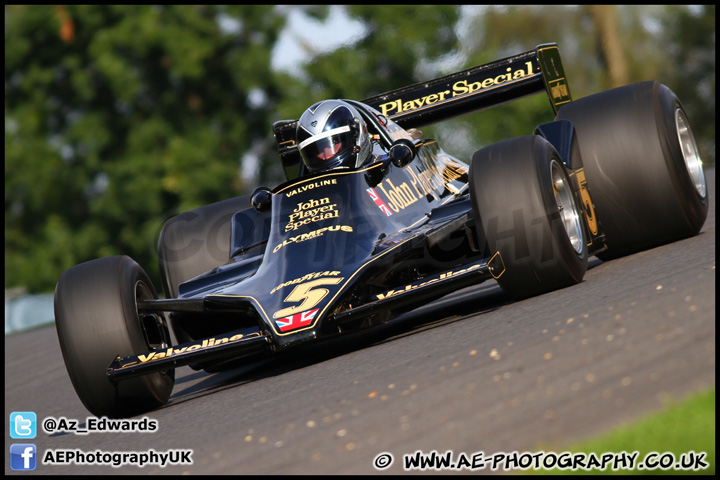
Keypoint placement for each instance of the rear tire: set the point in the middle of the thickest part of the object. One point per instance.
(526, 209)
(195, 242)
(97, 319)
(642, 166)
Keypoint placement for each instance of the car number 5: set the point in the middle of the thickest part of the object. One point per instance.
(308, 295)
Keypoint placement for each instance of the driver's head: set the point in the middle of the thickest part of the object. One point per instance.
(332, 134)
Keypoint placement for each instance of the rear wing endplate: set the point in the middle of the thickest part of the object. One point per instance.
(456, 94)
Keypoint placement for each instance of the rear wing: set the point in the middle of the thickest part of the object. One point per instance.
(474, 89)
(478, 88)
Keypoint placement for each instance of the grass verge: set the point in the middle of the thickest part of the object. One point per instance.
(679, 434)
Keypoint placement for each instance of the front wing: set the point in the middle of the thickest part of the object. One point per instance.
(253, 340)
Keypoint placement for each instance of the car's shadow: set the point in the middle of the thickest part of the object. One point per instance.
(462, 305)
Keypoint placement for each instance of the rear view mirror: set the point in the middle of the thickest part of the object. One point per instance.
(402, 152)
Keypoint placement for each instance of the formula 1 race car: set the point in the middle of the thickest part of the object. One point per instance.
(325, 253)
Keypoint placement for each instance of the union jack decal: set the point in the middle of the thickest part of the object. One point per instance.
(296, 321)
(378, 201)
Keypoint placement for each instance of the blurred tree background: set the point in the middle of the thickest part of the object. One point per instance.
(118, 117)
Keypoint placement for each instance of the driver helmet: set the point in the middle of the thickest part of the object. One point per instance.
(332, 134)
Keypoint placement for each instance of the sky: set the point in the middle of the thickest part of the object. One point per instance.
(306, 35)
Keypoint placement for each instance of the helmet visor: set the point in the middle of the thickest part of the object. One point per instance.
(324, 148)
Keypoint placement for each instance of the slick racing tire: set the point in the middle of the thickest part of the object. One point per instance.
(97, 319)
(196, 241)
(642, 166)
(525, 209)
(191, 244)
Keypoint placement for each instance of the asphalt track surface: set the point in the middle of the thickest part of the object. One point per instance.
(471, 372)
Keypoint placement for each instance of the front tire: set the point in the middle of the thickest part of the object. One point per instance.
(525, 208)
(97, 319)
